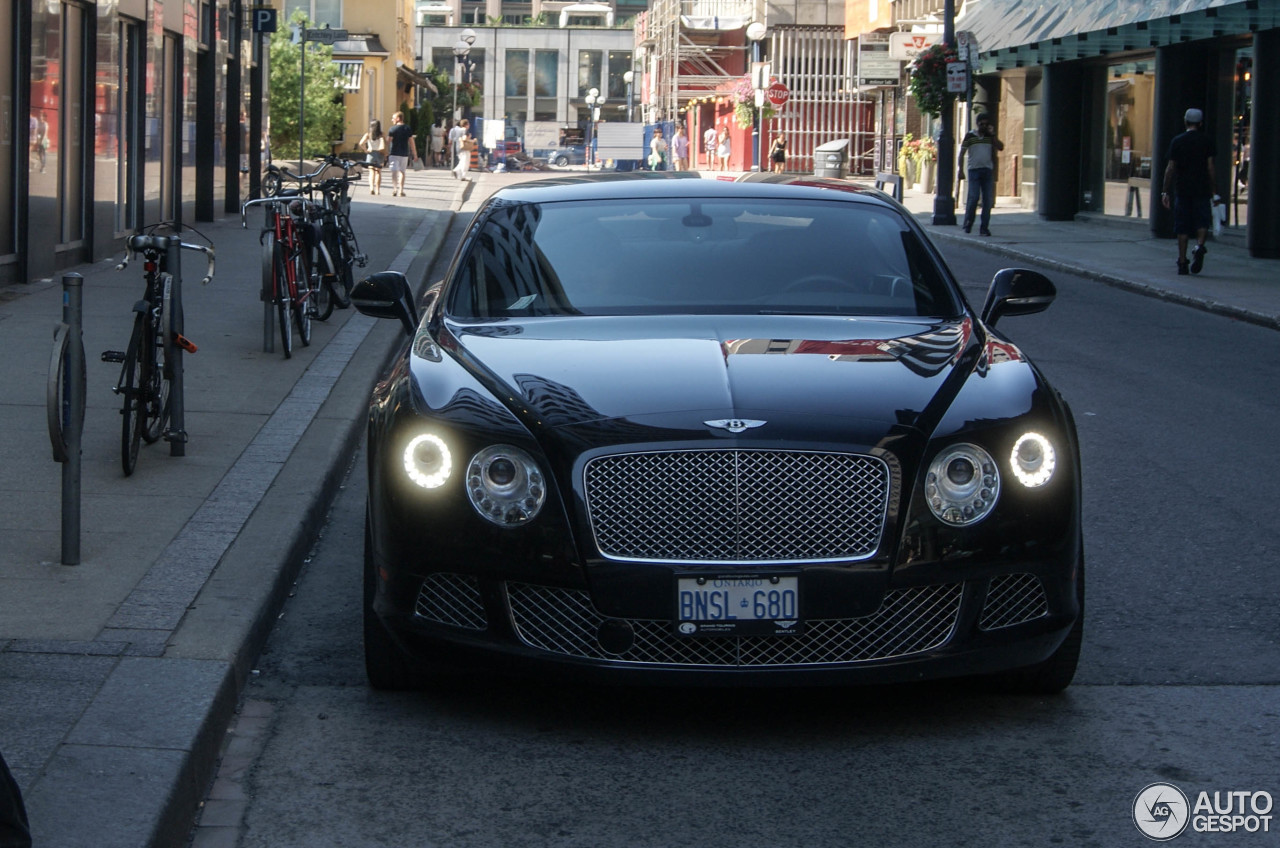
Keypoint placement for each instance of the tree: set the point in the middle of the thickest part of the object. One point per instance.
(325, 112)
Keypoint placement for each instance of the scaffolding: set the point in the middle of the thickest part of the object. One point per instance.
(687, 42)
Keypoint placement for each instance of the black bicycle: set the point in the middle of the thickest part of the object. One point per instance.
(338, 251)
(149, 362)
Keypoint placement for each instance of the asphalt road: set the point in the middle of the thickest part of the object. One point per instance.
(1178, 676)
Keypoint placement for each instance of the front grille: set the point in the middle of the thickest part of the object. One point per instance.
(909, 621)
(737, 506)
(1013, 599)
(452, 599)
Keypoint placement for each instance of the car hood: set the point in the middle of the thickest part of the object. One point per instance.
(854, 377)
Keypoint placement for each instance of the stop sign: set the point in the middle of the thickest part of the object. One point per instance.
(777, 93)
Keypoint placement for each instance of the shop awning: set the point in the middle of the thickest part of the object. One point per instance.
(407, 73)
(350, 74)
(1016, 33)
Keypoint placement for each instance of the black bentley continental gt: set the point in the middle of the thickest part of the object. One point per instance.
(663, 429)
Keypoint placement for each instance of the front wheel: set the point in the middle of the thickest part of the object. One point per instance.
(1055, 673)
(302, 306)
(322, 284)
(280, 294)
(154, 391)
(131, 382)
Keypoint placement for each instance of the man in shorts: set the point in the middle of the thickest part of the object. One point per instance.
(403, 150)
(1188, 189)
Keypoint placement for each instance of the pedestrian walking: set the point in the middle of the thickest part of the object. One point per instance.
(374, 145)
(709, 139)
(465, 145)
(403, 150)
(456, 132)
(680, 149)
(778, 153)
(1188, 189)
(724, 149)
(978, 152)
(657, 151)
(437, 144)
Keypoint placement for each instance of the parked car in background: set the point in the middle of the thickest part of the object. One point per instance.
(660, 428)
(574, 154)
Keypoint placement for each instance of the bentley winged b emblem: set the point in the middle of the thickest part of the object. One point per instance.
(735, 425)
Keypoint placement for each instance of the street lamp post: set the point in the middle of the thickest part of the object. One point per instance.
(755, 33)
(594, 101)
(629, 77)
(461, 50)
(944, 207)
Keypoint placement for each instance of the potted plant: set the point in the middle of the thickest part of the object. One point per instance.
(925, 155)
(906, 163)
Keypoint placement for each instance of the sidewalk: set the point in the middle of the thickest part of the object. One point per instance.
(1123, 253)
(118, 676)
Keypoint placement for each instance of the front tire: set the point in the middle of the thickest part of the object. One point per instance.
(131, 383)
(1056, 672)
(280, 290)
(385, 663)
(303, 306)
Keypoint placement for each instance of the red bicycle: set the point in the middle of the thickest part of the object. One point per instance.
(289, 279)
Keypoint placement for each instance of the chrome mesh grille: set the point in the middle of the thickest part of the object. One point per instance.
(564, 621)
(452, 599)
(1013, 599)
(737, 506)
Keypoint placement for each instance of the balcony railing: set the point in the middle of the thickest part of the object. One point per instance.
(728, 10)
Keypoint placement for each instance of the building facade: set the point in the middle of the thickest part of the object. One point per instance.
(116, 115)
(533, 73)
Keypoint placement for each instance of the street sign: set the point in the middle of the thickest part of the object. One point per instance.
(906, 46)
(957, 77)
(777, 94)
(875, 66)
(326, 36)
(967, 46)
(264, 19)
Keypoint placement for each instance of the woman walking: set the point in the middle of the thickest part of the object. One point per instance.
(374, 145)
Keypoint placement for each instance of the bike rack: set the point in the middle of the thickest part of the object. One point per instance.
(176, 435)
(65, 403)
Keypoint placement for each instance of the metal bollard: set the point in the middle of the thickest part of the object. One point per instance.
(66, 405)
(177, 435)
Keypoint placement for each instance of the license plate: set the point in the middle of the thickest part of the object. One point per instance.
(738, 606)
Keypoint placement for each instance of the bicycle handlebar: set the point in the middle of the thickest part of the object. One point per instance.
(286, 199)
(136, 244)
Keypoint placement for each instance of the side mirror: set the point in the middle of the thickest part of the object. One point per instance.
(1016, 291)
(387, 295)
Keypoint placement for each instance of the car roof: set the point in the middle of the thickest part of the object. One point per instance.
(647, 184)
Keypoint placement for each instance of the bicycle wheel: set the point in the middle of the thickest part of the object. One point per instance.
(131, 380)
(321, 287)
(280, 294)
(154, 388)
(344, 257)
(302, 306)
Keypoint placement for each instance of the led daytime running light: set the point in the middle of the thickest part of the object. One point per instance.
(1033, 460)
(427, 461)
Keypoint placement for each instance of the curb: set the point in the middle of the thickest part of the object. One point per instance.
(1262, 319)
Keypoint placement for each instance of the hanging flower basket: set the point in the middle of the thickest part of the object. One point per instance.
(928, 78)
(744, 105)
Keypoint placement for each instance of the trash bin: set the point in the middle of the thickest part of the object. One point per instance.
(832, 159)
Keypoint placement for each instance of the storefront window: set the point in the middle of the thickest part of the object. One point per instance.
(1128, 150)
(517, 73)
(1242, 119)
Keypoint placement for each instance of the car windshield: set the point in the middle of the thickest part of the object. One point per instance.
(696, 256)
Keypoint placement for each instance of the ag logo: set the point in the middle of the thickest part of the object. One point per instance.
(1161, 811)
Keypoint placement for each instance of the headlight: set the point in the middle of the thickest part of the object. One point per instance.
(963, 484)
(1033, 460)
(505, 485)
(427, 461)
